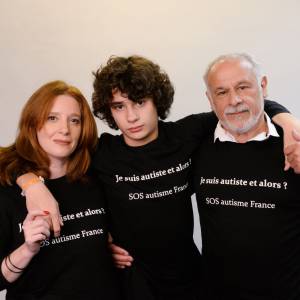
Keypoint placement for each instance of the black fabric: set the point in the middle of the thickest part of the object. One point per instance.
(250, 219)
(273, 108)
(148, 194)
(77, 265)
(148, 191)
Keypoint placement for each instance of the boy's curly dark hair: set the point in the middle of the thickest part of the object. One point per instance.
(135, 76)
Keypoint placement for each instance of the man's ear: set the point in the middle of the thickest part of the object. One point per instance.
(209, 99)
(264, 83)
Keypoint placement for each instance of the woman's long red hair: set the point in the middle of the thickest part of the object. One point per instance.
(26, 155)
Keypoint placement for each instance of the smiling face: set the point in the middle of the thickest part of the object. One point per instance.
(236, 95)
(138, 121)
(60, 133)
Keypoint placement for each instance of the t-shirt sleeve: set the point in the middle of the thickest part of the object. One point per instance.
(5, 232)
(98, 154)
(197, 126)
(273, 108)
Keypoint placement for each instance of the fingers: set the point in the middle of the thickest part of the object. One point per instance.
(35, 213)
(38, 196)
(56, 222)
(294, 162)
(36, 229)
(110, 239)
(290, 149)
(120, 256)
(122, 261)
(117, 250)
(33, 225)
(296, 135)
(286, 163)
(292, 153)
(37, 233)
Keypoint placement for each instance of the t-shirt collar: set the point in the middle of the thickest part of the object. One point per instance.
(224, 136)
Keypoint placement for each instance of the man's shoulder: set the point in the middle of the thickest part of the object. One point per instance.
(194, 126)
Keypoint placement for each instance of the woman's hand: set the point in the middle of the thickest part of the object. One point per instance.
(36, 229)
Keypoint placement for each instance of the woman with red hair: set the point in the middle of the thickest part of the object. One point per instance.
(57, 134)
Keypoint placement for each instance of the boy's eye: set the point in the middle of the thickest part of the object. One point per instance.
(140, 102)
(118, 106)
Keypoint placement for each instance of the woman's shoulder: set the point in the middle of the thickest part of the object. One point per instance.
(10, 196)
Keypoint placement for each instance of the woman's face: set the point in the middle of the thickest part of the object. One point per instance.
(61, 131)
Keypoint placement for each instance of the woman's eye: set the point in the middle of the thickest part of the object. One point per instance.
(75, 121)
(51, 118)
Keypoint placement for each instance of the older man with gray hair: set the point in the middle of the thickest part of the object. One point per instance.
(249, 206)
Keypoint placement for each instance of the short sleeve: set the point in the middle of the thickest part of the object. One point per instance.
(5, 230)
(273, 108)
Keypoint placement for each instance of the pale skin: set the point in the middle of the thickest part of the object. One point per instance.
(138, 121)
(35, 230)
(233, 83)
(142, 118)
(58, 137)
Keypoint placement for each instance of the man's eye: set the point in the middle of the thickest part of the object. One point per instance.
(243, 87)
(221, 93)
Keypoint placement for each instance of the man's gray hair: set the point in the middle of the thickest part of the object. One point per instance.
(234, 56)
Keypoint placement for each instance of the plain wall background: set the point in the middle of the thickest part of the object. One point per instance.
(68, 39)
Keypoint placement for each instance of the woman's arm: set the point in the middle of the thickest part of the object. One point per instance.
(39, 197)
(35, 230)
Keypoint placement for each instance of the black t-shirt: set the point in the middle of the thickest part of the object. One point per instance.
(250, 219)
(76, 265)
(148, 193)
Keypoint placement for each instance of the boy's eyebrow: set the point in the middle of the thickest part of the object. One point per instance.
(114, 103)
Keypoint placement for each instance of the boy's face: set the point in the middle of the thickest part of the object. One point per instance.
(138, 121)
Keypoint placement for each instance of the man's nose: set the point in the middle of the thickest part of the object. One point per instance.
(235, 99)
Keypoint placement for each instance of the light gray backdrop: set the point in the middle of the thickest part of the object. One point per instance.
(68, 39)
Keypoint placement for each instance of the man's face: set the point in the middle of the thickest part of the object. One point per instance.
(236, 96)
(138, 121)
